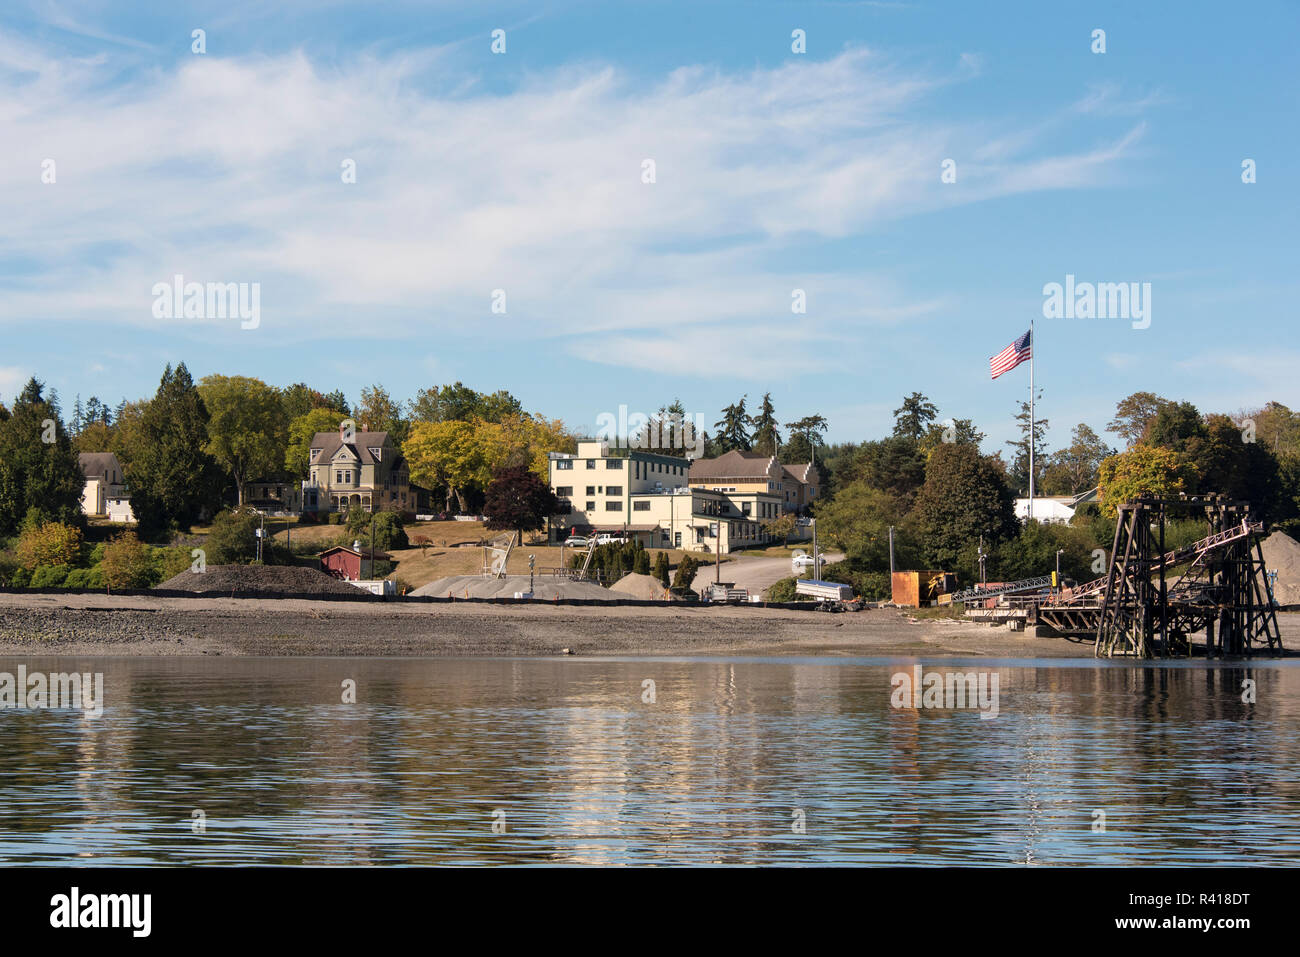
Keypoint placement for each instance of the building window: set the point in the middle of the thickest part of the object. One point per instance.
(565, 505)
(745, 508)
(591, 463)
(677, 539)
(591, 490)
(614, 490)
(564, 491)
(640, 506)
(613, 463)
(561, 464)
(613, 506)
(591, 507)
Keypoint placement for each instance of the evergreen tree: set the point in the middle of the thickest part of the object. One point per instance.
(40, 478)
(733, 429)
(661, 568)
(913, 416)
(964, 496)
(1019, 470)
(767, 439)
(170, 476)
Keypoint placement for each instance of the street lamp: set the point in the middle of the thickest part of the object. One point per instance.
(1058, 566)
(531, 560)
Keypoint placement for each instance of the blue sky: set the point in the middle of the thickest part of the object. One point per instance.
(775, 171)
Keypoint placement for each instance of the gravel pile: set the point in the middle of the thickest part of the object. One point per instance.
(642, 588)
(1282, 552)
(265, 579)
(476, 586)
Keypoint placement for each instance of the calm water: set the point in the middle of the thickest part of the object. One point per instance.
(721, 768)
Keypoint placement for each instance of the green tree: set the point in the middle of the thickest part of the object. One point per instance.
(895, 464)
(1133, 414)
(914, 416)
(733, 428)
(964, 496)
(172, 477)
(233, 538)
(1075, 469)
(458, 402)
(1174, 425)
(857, 520)
(379, 412)
(661, 568)
(297, 452)
(810, 429)
(953, 430)
(767, 438)
(246, 428)
(299, 399)
(685, 575)
(1019, 469)
(39, 472)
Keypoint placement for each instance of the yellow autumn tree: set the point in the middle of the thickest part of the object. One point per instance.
(446, 455)
(1144, 470)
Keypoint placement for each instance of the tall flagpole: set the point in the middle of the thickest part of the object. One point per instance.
(1031, 418)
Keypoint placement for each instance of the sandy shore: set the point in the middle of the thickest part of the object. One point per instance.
(116, 625)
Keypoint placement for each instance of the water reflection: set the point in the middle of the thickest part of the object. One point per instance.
(722, 767)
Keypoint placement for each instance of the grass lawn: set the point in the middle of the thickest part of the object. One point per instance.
(778, 551)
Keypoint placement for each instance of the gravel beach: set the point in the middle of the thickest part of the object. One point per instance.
(125, 625)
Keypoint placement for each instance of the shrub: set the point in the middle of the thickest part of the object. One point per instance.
(19, 577)
(869, 585)
(167, 563)
(85, 578)
(50, 576)
(48, 544)
(233, 539)
(661, 569)
(127, 563)
(358, 521)
(686, 570)
(389, 532)
(641, 565)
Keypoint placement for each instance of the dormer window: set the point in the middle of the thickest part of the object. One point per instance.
(375, 452)
(314, 454)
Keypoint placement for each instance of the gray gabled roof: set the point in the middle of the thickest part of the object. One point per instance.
(100, 465)
(330, 442)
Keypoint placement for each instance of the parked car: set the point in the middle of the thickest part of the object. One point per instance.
(609, 539)
(801, 561)
(577, 541)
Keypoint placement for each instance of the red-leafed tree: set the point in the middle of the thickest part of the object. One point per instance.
(517, 499)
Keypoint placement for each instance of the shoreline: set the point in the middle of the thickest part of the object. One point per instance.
(131, 626)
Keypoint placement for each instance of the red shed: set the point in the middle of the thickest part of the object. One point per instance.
(350, 564)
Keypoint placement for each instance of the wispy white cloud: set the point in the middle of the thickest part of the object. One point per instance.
(229, 170)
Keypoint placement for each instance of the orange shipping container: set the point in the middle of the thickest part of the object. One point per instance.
(912, 589)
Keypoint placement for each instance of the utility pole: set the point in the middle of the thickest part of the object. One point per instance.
(891, 551)
(817, 558)
(717, 552)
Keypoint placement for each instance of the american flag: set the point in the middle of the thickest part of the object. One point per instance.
(1011, 356)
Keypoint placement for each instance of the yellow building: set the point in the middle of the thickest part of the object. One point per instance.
(652, 497)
